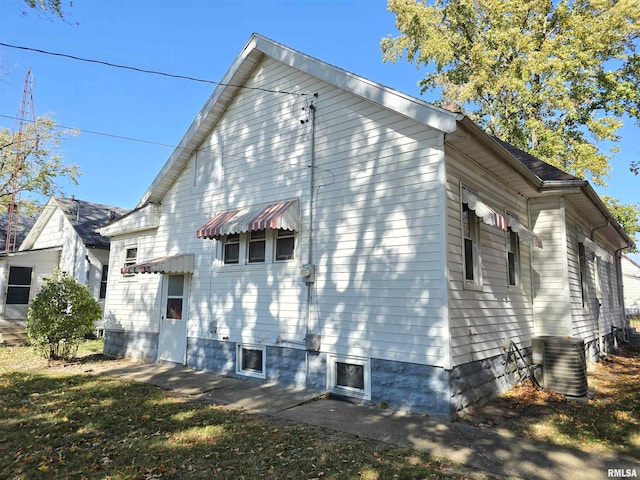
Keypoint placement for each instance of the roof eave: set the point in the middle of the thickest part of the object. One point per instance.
(583, 186)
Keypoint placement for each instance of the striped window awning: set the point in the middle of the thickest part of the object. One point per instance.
(487, 214)
(170, 264)
(523, 232)
(285, 215)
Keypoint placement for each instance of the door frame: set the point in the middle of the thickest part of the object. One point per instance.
(167, 326)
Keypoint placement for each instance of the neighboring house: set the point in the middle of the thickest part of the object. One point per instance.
(317, 229)
(22, 227)
(63, 236)
(631, 282)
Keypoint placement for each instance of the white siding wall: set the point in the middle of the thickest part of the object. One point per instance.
(58, 232)
(132, 303)
(378, 235)
(481, 320)
(552, 297)
(42, 263)
(602, 308)
(631, 280)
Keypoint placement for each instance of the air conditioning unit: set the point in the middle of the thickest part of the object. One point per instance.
(564, 365)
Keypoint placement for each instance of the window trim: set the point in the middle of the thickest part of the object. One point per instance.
(283, 234)
(104, 281)
(255, 238)
(583, 270)
(234, 240)
(270, 248)
(19, 286)
(240, 347)
(474, 283)
(513, 242)
(332, 376)
(123, 263)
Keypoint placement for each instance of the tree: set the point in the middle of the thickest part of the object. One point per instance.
(553, 78)
(47, 7)
(626, 215)
(41, 169)
(61, 314)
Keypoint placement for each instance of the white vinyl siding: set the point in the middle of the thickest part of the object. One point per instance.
(378, 233)
(631, 281)
(483, 318)
(552, 294)
(42, 264)
(85, 264)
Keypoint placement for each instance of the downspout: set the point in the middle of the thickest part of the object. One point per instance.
(532, 289)
(592, 236)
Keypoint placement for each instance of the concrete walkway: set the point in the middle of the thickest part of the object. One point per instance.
(494, 452)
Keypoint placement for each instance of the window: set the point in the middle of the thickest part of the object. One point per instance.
(257, 246)
(103, 282)
(130, 258)
(250, 361)
(232, 249)
(470, 233)
(19, 285)
(285, 241)
(350, 376)
(513, 257)
(175, 295)
(582, 256)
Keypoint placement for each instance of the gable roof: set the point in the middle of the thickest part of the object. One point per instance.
(254, 51)
(543, 170)
(23, 226)
(542, 176)
(86, 218)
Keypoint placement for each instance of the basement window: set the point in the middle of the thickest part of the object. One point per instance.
(349, 376)
(250, 361)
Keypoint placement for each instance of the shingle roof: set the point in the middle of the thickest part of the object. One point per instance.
(23, 225)
(543, 170)
(87, 217)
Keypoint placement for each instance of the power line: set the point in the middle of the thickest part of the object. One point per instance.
(143, 70)
(111, 135)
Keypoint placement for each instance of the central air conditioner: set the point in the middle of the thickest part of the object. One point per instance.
(564, 366)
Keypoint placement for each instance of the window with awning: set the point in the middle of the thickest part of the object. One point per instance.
(484, 212)
(523, 232)
(280, 215)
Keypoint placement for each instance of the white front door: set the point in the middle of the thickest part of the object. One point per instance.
(172, 342)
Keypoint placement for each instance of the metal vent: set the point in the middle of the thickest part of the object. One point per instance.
(564, 366)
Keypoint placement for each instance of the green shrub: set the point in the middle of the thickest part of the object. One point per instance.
(60, 315)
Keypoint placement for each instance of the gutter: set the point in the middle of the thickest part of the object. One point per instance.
(586, 188)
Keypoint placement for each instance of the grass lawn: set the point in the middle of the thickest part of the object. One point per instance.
(607, 423)
(60, 421)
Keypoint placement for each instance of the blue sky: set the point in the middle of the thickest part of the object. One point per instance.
(197, 38)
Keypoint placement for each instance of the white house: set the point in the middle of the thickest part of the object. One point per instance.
(63, 236)
(318, 229)
(631, 282)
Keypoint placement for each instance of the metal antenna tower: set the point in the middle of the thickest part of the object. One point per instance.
(22, 144)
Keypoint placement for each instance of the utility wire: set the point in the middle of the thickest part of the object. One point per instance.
(143, 70)
(121, 137)
(139, 140)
